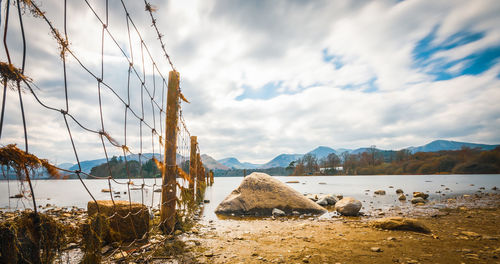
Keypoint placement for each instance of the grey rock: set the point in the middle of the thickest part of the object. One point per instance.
(322, 201)
(348, 206)
(417, 200)
(261, 193)
(278, 212)
(420, 194)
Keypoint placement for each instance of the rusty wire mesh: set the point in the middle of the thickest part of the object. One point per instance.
(14, 77)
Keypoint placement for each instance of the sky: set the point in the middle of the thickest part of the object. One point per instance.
(265, 77)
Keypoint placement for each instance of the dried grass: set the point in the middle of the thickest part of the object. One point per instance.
(21, 161)
(12, 75)
(31, 238)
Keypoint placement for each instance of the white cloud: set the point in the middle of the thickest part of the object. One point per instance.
(222, 48)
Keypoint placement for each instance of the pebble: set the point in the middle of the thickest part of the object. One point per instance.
(376, 249)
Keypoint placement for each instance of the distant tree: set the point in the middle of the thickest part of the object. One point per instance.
(310, 163)
(291, 167)
(403, 155)
(113, 160)
(372, 152)
(299, 167)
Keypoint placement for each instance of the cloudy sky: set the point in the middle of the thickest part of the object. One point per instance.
(267, 77)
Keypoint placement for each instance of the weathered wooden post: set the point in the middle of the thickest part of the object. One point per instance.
(193, 165)
(168, 190)
(211, 177)
(199, 175)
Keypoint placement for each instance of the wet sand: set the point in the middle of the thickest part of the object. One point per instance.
(464, 230)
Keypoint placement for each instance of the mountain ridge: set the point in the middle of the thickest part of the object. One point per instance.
(283, 160)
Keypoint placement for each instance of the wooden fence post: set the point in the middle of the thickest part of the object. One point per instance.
(169, 173)
(193, 166)
(198, 171)
(211, 177)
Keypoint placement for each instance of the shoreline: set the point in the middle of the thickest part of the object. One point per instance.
(324, 238)
(464, 231)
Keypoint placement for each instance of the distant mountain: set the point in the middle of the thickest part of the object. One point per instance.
(65, 166)
(87, 165)
(438, 145)
(234, 163)
(342, 150)
(322, 152)
(361, 150)
(212, 164)
(282, 160)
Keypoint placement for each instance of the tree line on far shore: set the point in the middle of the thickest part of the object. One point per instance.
(388, 162)
(120, 169)
(370, 162)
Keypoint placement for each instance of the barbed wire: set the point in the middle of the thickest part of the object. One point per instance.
(148, 91)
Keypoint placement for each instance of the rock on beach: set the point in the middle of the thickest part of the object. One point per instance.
(400, 223)
(259, 194)
(417, 200)
(348, 206)
(420, 194)
(126, 221)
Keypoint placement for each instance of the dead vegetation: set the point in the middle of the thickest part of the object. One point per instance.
(22, 162)
(12, 75)
(31, 238)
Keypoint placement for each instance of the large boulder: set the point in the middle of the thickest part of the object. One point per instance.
(126, 221)
(259, 194)
(348, 206)
(400, 223)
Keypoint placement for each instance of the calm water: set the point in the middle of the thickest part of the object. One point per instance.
(72, 193)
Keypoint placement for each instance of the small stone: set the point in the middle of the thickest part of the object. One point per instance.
(278, 212)
(402, 197)
(206, 201)
(470, 234)
(391, 238)
(379, 192)
(322, 202)
(420, 194)
(120, 255)
(209, 254)
(348, 206)
(398, 191)
(400, 223)
(417, 200)
(376, 249)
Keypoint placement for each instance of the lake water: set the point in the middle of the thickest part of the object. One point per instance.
(72, 193)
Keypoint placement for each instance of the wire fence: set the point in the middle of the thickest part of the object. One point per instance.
(145, 79)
